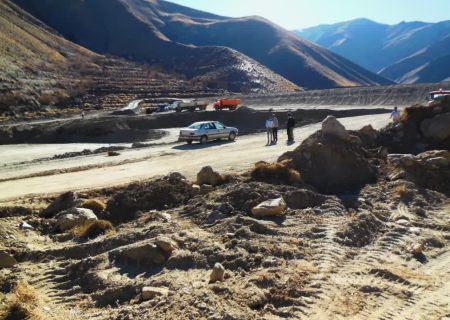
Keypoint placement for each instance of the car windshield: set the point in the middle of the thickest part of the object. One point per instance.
(195, 126)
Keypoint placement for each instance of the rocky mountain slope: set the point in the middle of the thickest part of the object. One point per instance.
(40, 68)
(189, 41)
(408, 52)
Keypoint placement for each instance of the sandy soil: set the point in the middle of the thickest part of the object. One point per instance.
(148, 162)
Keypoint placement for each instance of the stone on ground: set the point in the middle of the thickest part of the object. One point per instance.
(270, 208)
(217, 273)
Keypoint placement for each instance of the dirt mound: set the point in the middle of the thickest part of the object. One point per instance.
(168, 192)
(422, 128)
(361, 230)
(430, 169)
(332, 164)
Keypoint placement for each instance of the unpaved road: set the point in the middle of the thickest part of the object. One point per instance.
(101, 171)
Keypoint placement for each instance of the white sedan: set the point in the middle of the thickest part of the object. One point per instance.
(207, 130)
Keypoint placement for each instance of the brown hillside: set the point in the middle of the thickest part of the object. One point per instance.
(181, 38)
(38, 68)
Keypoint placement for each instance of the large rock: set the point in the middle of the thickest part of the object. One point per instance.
(6, 260)
(140, 253)
(149, 293)
(165, 244)
(217, 273)
(208, 176)
(332, 127)
(437, 128)
(270, 208)
(62, 202)
(71, 218)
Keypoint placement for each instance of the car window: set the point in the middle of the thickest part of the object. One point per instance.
(195, 126)
(211, 126)
(219, 125)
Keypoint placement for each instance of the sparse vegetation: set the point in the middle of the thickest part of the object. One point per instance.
(22, 303)
(93, 228)
(95, 205)
(279, 172)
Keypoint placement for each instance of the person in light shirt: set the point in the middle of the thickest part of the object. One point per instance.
(269, 128)
(395, 115)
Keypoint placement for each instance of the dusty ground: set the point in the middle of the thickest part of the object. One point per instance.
(380, 253)
(100, 170)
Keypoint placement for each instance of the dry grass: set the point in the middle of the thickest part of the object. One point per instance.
(279, 172)
(401, 190)
(93, 228)
(95, 205)
(22, 303)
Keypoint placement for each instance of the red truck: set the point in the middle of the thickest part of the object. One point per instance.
(230, 104)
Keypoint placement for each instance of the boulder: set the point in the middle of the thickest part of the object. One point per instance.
(6, 260)
(195, 190)
(269, 208)
(208, 176)
(62, 202)
(206, 188)
(217, 273)
(71, 218)
(149, 293)
(141, 253)
(165, 244)
(436, 128)
(439, 162)
(332, 127)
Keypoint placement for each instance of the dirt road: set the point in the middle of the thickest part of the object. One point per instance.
(99, 171)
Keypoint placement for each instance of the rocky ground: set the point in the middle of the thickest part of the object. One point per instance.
(350, 224)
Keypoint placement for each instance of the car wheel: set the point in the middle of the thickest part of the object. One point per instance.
(232, 136)
(203, 139)
(189, 141)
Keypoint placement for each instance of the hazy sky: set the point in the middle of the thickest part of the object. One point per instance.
(296, 14)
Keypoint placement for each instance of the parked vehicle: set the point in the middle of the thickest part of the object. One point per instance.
(436, 97)
(190, 105)
(230, 104)
(207, 130)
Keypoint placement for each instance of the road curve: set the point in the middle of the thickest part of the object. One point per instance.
(188, 160)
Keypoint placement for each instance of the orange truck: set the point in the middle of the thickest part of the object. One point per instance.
(230, 104)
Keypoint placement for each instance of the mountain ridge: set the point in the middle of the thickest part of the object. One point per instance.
(393, 51)
(175, 36)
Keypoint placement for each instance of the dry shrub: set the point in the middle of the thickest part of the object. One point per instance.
(93, 228)
(279, 172)
(22, 304)
(95, 205)
(401, 190)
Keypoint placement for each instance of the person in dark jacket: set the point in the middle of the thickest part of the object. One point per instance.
(290, 127)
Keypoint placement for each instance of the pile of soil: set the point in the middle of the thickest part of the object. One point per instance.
(167, 192)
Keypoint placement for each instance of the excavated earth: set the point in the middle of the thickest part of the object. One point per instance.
(378, 251)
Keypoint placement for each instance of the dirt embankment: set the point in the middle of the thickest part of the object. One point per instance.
(380, 95)
(116, 129)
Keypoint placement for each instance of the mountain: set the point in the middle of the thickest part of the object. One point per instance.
(189, 41)
(406, 52)
(39, 67)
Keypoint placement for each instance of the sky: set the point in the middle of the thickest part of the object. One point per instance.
(298, 14)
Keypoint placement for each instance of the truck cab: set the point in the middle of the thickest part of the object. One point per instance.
(436, 97)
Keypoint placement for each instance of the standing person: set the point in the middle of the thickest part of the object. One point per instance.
(290, 127)
(395, 115)
(269, 128)
(82, 114)
(275, 128)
